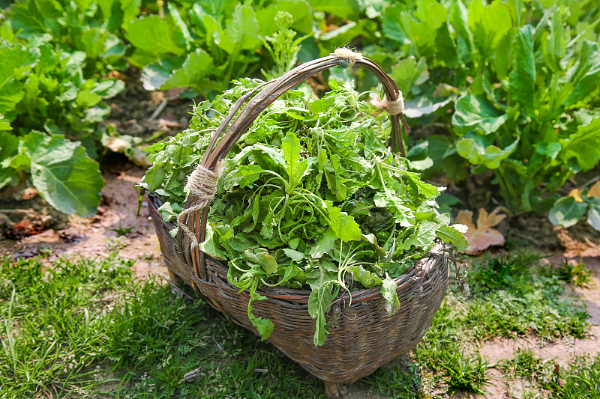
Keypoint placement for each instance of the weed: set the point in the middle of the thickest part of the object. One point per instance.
(115, 244)
(578, 274)
(121, 231)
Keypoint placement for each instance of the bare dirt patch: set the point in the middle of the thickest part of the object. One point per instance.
(96, 236)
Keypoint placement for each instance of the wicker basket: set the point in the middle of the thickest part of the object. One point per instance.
(364, 337)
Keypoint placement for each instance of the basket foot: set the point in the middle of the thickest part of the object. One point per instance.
(175, 279)
(334, 390)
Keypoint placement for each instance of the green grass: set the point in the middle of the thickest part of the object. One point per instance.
(581, 379)
(85, 328)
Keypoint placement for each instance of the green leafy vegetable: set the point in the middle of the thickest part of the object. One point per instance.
(306, 199)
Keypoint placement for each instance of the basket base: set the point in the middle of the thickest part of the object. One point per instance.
(334, 390)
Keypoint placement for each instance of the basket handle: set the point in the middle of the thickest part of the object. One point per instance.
(204, 179)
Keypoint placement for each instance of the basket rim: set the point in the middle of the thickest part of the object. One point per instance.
(296, 295)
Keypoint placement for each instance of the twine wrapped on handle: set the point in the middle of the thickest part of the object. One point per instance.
(203, 185)
(391, 107)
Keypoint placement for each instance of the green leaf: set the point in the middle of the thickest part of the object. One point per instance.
(408, 73)
(465, 43)
(240, 32)
(185, 33)
(389, 293)
(347, 9)
(556, 43)
(451, 235)
(63, 173)
(583, 145)
(322, 105)
(318, 303)
(87, 99)
(152, 34)
(425, 236)
(343, 225)
(489, 25)
(477, 154)
(196, 67)
(9, 145)
(594, 216)
(584, 74)
(365, 277)
(477, 113)
(291, 151)
(324, 244)
(522, 77)
(264, 326)
(567, 212)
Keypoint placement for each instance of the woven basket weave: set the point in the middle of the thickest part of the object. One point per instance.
(364, 337)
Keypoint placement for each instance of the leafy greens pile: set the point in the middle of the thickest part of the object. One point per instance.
(309, 196)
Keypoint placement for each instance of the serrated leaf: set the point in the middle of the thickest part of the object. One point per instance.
(452, 235)
(343, 225)
(318, 303)
(522, 77)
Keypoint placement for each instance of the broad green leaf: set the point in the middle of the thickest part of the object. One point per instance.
(583, 145)
(408, 73)
(365, 277)
(522, 77)
(324, 244)
(152, 34)
(389, 293)
(451, 235)
(322, 105)
(196, 67)
(403, 27)
(240, 32)
(489, 25)
(425, 236)
(300, 10)
(343, 225)
(210, 245)
(476, 113)
(490, 156)
(87, 99)
(63, 173)
(567, 212)
(594, 216)
(347, 9)
(585, 74)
